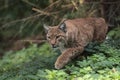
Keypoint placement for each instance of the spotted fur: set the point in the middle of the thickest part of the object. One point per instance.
(72, 36)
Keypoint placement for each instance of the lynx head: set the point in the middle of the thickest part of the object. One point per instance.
(56, 35)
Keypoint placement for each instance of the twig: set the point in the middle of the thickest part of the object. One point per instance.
(74, 4)
(45, 13)
(51, 1)
(34, 41)
(67, 5)
(92, 13)
(19, 20)
(114, 12)
(51, 5)
(26, 1)
(30, 17)
(40, 11)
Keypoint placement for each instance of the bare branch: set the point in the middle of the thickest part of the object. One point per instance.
(34, 41)
(74, 4)
(19, 20)
(51, 5)
(40, 11)
(29, 3)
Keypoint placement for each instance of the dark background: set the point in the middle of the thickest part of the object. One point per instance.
(24, 19)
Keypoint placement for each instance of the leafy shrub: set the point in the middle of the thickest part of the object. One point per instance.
(104, 65)
(37, 63)
(25, 64)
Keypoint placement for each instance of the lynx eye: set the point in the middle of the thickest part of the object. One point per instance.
(48, 37)
(57, 37)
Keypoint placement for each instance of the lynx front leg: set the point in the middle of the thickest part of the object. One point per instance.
(66, 56)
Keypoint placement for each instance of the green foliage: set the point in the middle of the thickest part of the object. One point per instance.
(27, 63)
(37, 63)
(104, 65)
(115, 33)
(114, 37)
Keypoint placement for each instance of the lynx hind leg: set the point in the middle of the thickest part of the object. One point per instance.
(66, 56)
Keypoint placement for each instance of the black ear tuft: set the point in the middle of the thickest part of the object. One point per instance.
(62, 27)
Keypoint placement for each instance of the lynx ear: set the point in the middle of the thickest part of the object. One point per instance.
(46, 27)
(62, 27)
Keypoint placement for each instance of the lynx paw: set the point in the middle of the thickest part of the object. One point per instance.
(59, 65)
(61, 62)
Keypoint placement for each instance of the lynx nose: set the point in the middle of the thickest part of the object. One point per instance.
(53, 46)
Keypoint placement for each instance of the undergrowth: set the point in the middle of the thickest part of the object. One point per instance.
(37, 63)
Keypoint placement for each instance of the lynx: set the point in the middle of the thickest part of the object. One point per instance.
(71, 37)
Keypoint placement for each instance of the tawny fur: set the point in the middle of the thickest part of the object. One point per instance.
(79, 32)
